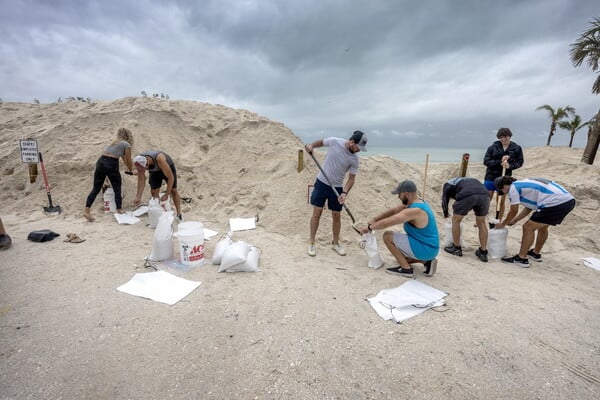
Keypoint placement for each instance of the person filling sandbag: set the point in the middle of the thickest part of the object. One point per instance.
(551, 203)
(420, 243)
(469, 194)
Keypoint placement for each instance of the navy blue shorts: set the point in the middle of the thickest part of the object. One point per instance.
(156, 178)
(553, 215)
(322, 192)
(489, 185)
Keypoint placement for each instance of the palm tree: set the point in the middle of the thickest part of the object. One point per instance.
(555, 116)
(572, 126)
(587, 47)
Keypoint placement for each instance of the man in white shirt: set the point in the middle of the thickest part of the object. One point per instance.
(551, 203)
(341, 159)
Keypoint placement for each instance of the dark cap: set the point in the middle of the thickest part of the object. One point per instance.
(405, 186)
(360, 139)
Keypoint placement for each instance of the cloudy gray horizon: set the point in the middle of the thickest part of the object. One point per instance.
(428, 74)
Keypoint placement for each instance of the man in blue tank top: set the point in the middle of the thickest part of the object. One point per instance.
(420, 243)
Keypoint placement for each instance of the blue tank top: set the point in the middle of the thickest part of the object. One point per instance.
(424, 242)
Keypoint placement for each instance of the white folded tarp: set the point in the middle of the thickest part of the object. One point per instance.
(159, 286)
(140, 211)
(209, 233)
(126, 219)
(406, 301)
(592, 263)
(242, 224)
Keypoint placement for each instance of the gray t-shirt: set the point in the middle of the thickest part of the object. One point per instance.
(338, 162)
(117, 149)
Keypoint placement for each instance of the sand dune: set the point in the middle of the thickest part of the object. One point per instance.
(300, 328)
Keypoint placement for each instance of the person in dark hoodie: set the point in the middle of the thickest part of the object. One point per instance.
(502, 156)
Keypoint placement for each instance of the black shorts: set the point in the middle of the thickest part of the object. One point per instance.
(553, 215)
(479, 203)
(156, 178)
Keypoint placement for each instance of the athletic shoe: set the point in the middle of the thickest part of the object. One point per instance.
(430, 267)
(338, 249)
(312, 250)
(482, 254)
(534, 256)
(407, 273)
(522, 262)
(452, 249)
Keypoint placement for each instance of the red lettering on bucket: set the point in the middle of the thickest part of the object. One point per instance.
(197, 249)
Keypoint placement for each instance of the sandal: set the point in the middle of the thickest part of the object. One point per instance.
(73, 238)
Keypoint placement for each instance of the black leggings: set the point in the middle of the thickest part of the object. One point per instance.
(106, 166)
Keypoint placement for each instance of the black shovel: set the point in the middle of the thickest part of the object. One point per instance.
(337, 194)
(51, 209)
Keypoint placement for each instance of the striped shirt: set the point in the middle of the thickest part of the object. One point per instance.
(538, 193)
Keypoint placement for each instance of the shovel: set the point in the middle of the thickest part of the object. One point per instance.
(51, 209)
(337, 194)
(498, 204)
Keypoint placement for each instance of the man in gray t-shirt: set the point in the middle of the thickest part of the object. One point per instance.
(341, 159)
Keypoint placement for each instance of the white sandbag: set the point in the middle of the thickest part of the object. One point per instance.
(375, 260)
(154, 212)
(448, 234)
(497, 242)
(251, 263)
(234, 254)
(162, 242)
(220, 248)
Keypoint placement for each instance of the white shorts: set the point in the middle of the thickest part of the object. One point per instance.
(402, 244)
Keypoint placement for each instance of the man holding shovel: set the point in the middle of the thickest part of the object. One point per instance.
(341, 159)
(500, 159)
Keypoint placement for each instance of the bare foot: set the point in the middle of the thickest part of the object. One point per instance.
(88, 216)
(121, 211)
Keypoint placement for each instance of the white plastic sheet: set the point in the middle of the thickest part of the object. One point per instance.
(592, 263)
(242, 224)
(159, 286)
(126, 219)
(406, 301)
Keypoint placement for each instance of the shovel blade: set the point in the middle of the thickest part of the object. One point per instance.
(55, 210)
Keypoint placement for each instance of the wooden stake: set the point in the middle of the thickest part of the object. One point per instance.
(425, 175)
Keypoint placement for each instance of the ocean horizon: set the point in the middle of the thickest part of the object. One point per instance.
(419, 154)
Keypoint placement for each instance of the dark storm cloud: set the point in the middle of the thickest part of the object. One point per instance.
(414, 73)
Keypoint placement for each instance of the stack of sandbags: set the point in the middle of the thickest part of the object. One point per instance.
(235, 256)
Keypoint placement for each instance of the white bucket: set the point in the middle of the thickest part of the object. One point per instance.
(497, 242)
(191, 242)
(154, 212)
(162, 242)
(109, 200)
(448, 233)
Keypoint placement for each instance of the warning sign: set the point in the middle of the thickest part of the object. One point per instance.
(29, 151)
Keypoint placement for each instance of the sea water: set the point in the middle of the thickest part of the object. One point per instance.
(419, 154)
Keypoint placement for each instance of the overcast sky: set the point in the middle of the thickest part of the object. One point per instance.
(411, 73)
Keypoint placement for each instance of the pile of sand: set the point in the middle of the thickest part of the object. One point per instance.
(300, 328)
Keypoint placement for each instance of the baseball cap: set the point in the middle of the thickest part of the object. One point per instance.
(141, 161)
(360, 139)
(405, 186)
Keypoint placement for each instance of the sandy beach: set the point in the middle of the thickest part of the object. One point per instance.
(301, 327)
